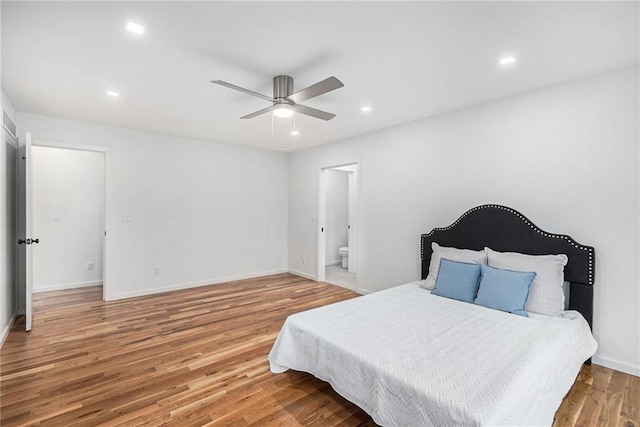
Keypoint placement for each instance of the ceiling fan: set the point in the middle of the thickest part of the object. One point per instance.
(285, 102)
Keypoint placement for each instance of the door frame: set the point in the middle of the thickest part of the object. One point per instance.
(107, 247)
(10, 238)
(354, 216)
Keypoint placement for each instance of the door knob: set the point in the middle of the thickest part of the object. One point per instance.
(28, 241)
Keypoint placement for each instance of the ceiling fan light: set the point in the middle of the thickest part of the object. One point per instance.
(283, 110)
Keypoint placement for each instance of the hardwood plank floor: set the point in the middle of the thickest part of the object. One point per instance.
(198, 357)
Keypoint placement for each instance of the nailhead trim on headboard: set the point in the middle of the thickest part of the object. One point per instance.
(588, 249)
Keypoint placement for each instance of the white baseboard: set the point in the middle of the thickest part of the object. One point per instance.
(64, 286)
(364, 291)
(5, 331)
(617, 365)
(305, 275)
(181, 286)
(330, 263)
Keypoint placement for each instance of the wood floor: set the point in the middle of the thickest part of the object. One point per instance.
(198, 357)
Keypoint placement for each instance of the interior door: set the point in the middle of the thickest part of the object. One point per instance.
(27, 240)
(322, 214)
(351, 213)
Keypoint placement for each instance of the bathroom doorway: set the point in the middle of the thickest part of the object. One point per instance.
(337, 248)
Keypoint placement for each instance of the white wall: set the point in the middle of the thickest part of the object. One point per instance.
(68, 217)
(567, 157)
(201, 212)
(337, 214)
(8, 237)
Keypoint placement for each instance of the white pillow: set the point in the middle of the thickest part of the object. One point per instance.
(453, 254)
(545, 294)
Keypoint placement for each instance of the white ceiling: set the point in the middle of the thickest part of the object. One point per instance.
(408, 60)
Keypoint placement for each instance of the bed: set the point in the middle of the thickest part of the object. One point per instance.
(411, 358)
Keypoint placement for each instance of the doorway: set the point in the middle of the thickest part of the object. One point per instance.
(68, 218)
(337, 241)
(30, 243)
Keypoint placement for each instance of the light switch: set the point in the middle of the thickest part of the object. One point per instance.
(126, 218)
(56, 217)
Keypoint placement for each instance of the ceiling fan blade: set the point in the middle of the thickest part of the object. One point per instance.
(241, 89)
(318, 114)
(326, 85)
(257, 113)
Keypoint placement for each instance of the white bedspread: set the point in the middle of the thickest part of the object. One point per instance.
(409, 358)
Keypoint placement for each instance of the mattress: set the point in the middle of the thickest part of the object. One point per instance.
(409, 358)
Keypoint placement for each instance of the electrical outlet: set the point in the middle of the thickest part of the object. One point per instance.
(156, 271)
(304, 259)
(90, 265)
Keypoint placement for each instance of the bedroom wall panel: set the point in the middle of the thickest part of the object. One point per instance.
(566, 156)
(200, 212)
(68, 205)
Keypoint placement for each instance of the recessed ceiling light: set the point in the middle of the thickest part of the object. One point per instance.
(113, 93)
(507, 60)
(365, 108)
(295, 132)
(135, 28)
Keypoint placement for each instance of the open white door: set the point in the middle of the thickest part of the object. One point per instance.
(322, 215)
(27, 240)
(352, 241)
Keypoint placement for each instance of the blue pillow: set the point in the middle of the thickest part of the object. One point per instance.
(457, 280)
(504, 290)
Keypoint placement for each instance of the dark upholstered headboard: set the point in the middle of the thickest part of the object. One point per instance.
(506, 230)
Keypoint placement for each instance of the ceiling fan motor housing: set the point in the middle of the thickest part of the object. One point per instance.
(282, 88)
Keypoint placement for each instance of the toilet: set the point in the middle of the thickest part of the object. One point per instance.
(344, 253)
